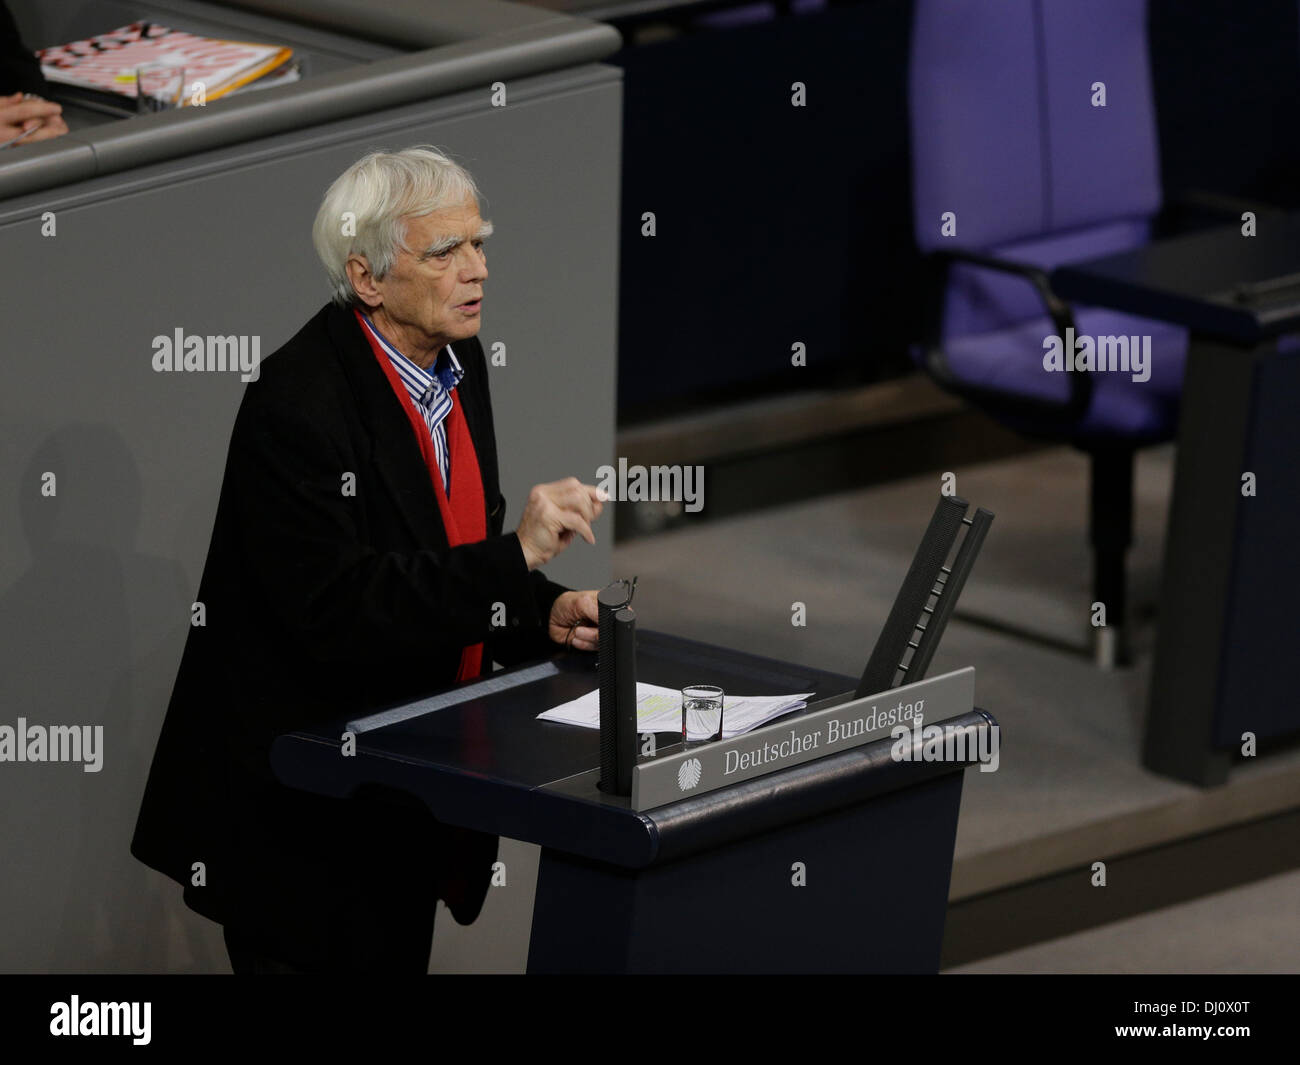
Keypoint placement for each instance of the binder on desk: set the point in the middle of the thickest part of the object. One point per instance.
(99, 72)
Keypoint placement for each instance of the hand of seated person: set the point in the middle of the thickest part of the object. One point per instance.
(20, 113)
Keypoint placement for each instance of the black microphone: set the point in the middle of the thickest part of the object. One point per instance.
(616, 672)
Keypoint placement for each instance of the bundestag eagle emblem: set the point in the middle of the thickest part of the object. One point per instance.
(689, 774)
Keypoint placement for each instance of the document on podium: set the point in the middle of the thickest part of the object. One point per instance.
(660, 710)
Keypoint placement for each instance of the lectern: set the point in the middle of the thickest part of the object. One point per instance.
(822, 842)
(837, 864)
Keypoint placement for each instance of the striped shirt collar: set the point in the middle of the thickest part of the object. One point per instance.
(425, 387)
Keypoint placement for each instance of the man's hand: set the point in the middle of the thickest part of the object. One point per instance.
(18, 115)
(574, 620)
(553, 514)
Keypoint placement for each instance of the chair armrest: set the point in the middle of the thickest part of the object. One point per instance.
(939, 264)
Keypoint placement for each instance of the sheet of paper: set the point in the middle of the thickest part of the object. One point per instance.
(660, 710)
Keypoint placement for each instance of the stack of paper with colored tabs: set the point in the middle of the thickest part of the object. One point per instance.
(660, 710)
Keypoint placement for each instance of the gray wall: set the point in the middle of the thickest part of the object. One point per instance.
(96, 583)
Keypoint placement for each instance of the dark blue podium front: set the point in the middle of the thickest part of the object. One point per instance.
(837, 865)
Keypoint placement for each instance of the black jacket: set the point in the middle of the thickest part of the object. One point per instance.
(321, 604)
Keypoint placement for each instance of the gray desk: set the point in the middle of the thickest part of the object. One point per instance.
(625, 11)
(201, 220)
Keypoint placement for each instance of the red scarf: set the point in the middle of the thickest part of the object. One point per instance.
(464, 517)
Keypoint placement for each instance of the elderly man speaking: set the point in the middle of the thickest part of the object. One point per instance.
(357, 561)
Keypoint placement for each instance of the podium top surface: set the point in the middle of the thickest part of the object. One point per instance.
(485, 762)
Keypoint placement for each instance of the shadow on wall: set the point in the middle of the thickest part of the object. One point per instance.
(93, 630)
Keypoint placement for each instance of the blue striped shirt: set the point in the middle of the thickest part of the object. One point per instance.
(430, 391)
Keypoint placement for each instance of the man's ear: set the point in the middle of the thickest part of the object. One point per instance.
(363, 281)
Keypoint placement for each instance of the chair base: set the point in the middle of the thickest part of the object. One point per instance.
(1110, 647)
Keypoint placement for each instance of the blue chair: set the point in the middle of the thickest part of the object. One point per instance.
(1009, 148)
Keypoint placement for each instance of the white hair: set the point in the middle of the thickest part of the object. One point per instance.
(365, 211)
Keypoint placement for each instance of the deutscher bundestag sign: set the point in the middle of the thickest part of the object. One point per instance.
(801, 738)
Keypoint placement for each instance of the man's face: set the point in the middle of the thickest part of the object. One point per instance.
(433, 294)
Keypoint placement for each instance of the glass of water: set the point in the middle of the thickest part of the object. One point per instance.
(701, 714)
(159, 87)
